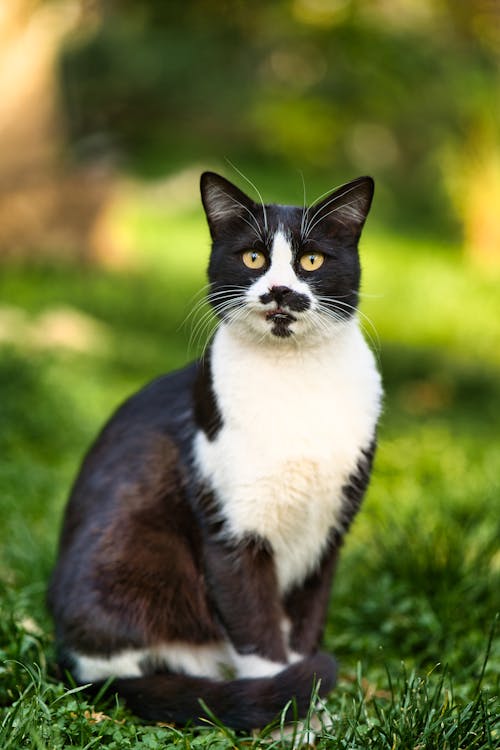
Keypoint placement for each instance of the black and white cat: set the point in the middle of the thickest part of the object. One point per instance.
(201, 535)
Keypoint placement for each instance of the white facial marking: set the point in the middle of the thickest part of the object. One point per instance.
(280, 272)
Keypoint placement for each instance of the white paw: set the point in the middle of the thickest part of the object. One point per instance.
(305, 733)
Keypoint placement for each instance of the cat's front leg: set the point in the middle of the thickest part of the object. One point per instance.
(242, 584)
(306, 605)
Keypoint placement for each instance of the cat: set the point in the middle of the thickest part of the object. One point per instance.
(201, 535)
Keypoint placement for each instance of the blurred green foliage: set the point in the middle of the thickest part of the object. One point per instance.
(335, 87)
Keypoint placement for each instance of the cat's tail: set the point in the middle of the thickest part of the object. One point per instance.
(242, 704)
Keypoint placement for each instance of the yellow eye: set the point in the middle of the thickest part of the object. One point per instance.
(311, 261)
(254, 259)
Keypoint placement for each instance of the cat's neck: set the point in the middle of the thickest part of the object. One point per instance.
(340, 335)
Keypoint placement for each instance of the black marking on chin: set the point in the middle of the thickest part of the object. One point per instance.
(281, 327)
(281, 320)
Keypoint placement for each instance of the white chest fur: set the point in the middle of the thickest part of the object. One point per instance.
(294, 423)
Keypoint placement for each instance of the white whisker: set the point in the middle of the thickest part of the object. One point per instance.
(370, 329)
(305, 210)
(205, 313)
(256, 228)
(314, 221)
(249, 181)
(329, 213)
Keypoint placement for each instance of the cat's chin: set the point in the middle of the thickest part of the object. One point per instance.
(283, 330)
(280, 322)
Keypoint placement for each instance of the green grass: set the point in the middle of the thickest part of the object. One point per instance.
(413, 608)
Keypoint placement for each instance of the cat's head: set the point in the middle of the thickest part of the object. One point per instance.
(284, 273)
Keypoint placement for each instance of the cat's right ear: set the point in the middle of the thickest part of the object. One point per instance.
(223, 202)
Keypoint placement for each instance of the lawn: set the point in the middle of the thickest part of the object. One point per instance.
(412, 617)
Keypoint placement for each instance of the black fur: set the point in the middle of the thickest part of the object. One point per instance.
(307, 605)
(355, 488)
(206, 411)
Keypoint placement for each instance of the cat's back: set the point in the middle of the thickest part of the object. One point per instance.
(147, 441)
(163, 407)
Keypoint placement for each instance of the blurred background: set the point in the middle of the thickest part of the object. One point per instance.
(109, 112)
(93, 90)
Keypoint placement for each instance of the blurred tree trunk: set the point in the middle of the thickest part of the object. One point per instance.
(472, 175)
(475, 166)
(48, 206)
(482, 211)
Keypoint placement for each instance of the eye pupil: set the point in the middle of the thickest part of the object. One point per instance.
(311, 261)
(254, 259)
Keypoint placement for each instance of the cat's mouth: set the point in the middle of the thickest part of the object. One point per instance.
(278, 315)
(281, 321)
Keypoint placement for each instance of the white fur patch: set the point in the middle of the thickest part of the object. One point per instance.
(94, 668)
(294, 423)
(280, 272)
(202, 661)
(252, 665)
(214, 661)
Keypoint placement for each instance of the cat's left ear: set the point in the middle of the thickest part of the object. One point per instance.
(347, 206)
(223, 202)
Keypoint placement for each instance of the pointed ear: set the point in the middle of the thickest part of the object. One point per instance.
(222, 201)
(347, 205)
